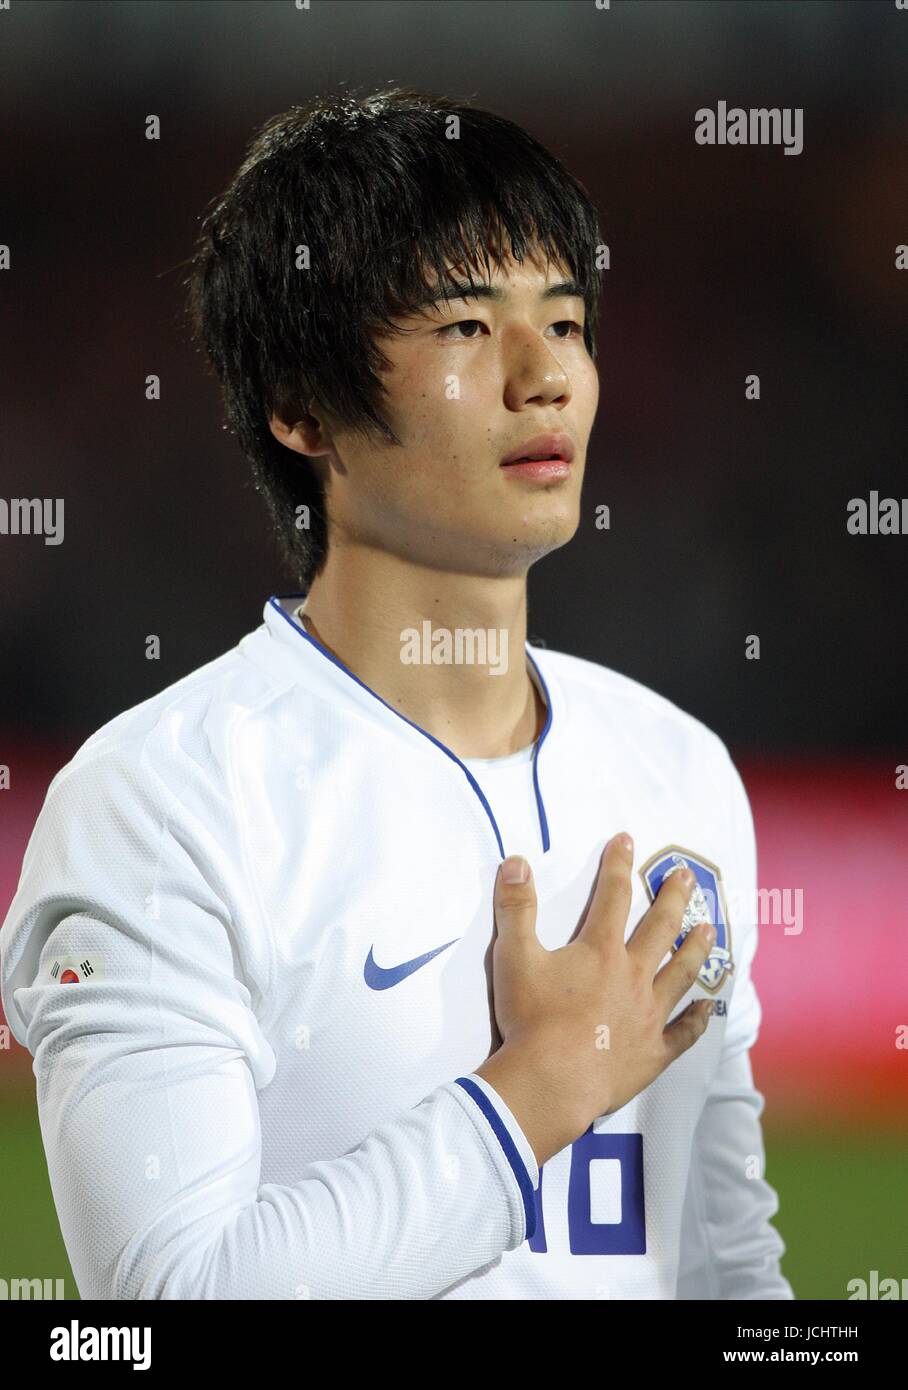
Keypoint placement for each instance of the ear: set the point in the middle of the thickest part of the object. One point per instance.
(306, 435)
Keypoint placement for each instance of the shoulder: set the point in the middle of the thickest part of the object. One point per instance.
(176, 744)
(138, 844)
(601, 702)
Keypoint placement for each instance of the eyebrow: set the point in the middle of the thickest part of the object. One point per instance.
(457, 289)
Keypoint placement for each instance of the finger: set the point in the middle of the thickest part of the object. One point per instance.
(659, 928)
(679, 974)
(515, 901)
(606, 913)
(684, 1030)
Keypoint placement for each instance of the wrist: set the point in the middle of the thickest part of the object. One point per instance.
(538, 1094)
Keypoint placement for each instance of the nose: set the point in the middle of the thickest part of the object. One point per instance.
(533, 374)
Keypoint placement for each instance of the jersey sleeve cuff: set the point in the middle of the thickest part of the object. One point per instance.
(510, 1139)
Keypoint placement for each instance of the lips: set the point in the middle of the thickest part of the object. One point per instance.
(544, 446)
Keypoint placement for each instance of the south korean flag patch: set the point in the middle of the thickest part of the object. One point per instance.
(707, 904)
(74, 970)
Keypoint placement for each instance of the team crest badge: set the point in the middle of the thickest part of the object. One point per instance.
(707, 904)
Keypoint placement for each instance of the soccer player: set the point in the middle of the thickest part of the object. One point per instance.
(387, 956)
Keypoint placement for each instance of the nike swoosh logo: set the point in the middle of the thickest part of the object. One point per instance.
(378, 978)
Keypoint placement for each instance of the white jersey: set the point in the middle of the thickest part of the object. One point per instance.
(249, 954)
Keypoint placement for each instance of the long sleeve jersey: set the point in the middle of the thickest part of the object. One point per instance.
(249, 954)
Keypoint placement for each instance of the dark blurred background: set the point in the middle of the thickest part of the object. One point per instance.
(727, 515)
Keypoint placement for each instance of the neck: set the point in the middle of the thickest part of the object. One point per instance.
(363, 603)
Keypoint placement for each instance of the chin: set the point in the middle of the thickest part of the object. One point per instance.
(536, 537)
(552, 527)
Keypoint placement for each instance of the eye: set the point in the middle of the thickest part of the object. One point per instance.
(568, 323)
(461, 323)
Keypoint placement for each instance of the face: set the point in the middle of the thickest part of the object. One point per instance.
(471, 381)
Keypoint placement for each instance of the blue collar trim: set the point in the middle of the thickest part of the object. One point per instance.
(275, 599)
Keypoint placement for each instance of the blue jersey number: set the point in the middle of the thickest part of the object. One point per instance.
(624, 1237)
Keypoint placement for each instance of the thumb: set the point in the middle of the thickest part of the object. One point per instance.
(515, 899)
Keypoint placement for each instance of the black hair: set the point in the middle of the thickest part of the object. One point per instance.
(387, 192)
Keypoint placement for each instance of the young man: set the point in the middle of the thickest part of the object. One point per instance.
(330, 1034)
